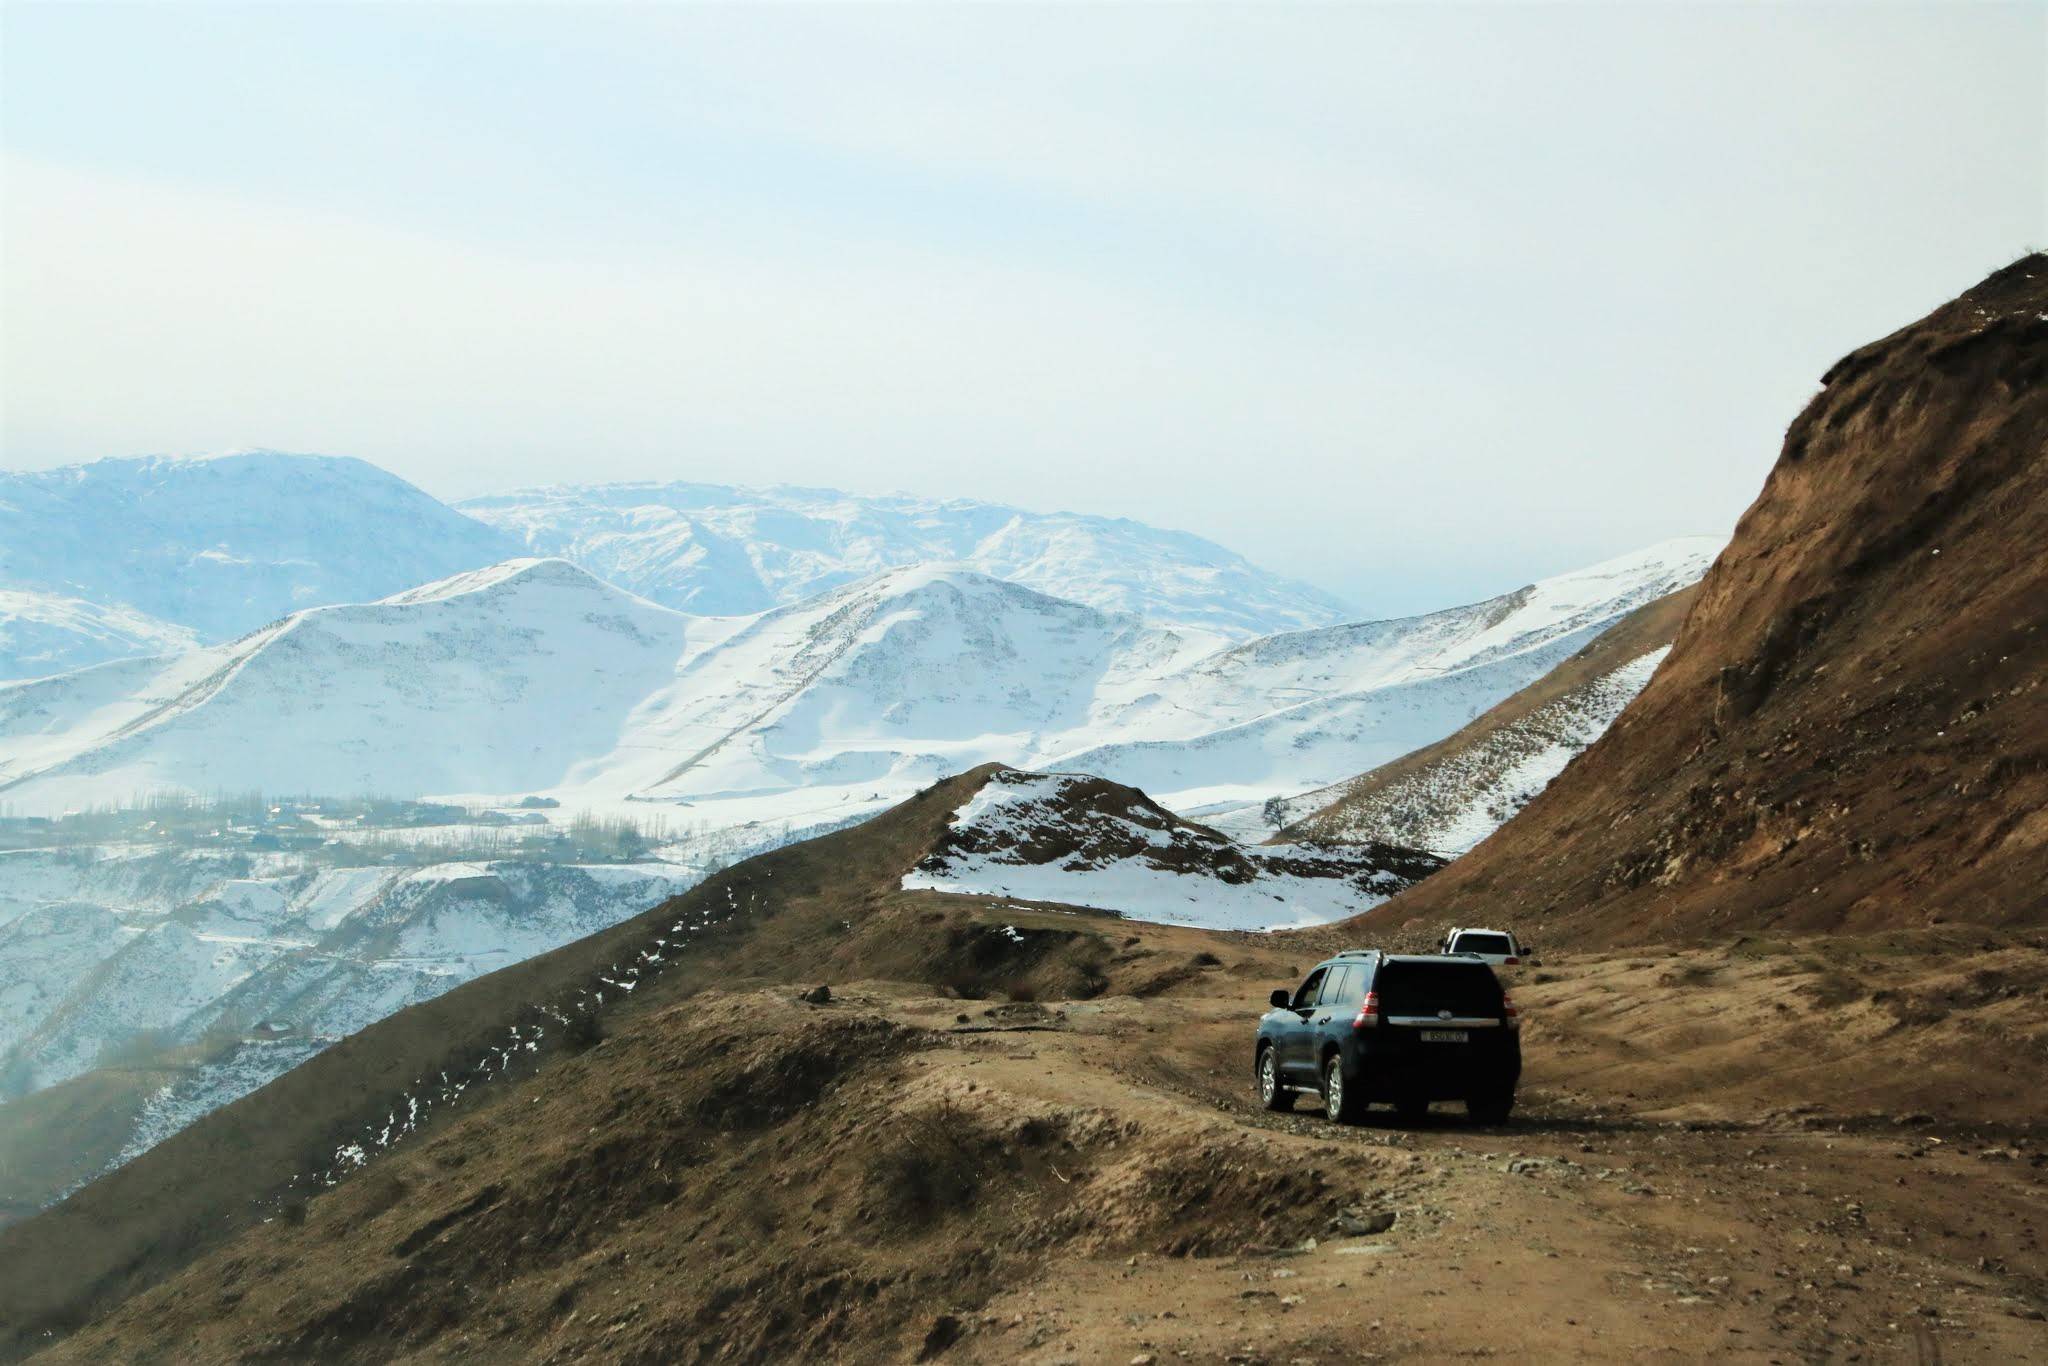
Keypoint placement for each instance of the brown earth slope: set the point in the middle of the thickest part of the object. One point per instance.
(894, 1175)
(1851, 731)
(1410, 800)
(1025, 1133)
(831, 907)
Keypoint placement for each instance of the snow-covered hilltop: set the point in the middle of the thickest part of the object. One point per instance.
(1077, 840)
(711, 549)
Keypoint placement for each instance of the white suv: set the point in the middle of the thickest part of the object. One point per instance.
(1498, 947)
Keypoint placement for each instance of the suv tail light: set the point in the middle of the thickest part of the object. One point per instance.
(1512, 1016)
(1511, 960)
(1368, 1012)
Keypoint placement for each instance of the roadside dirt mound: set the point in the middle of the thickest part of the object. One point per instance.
(1449, 795)
(1851, 730)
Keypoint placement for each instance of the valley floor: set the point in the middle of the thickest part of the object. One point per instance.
(1710, 1161)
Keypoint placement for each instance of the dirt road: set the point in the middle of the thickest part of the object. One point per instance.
(1712, 1159)
(1584, 1229)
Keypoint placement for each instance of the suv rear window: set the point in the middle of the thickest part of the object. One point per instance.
(1483, 943)
(1425, 988)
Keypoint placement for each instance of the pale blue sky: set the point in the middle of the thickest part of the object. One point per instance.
(1416, 302)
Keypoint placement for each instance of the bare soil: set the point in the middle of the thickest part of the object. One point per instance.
(1710, 1159)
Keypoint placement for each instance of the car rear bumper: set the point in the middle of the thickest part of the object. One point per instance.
(1396, 1064)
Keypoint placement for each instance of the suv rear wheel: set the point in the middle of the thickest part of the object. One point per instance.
(1272, 1094)
(1338, 1104)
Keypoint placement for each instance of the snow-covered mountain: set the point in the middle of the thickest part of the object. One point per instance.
(716, 550)
(492, 680)
(890, 683)
(219, 976)
(219, 545)
(535, 677)
(50, 633)
(124, 558)
(1448, 796)
(1299, 711)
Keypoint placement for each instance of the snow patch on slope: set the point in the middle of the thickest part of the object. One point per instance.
(1053, 837)
(312, 954)
(50, 633)
(1454, 803)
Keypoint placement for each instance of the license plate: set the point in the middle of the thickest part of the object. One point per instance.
(1446, 1036)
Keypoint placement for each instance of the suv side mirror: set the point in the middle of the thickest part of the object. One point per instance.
(1281, 998)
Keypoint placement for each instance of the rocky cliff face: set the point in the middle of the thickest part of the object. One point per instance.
(1852, 729)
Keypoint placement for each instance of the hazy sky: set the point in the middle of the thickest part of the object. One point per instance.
(1415, 302)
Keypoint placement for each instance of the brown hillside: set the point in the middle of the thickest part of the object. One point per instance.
(1714, 1148)
(1851, 731)
(830, 908)
(1029, 1134)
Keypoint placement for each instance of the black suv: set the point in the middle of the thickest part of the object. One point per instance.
(1369, 1026)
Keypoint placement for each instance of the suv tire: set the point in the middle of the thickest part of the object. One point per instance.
(1274, 1094)
(1339, 1102)
(1492, 1108)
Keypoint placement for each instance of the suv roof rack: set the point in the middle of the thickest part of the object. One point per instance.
(1353, 953)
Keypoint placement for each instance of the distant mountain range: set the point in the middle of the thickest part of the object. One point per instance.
(734, 669)
(208, 549)
(713, 550)
(534, 676)
(128, 557)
